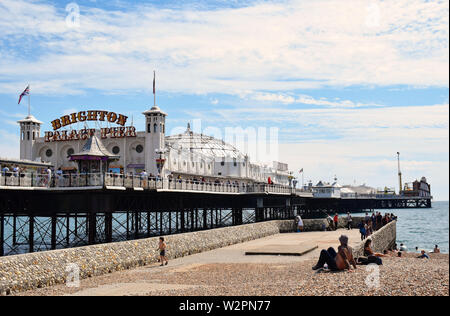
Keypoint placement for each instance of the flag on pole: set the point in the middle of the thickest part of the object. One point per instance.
(24, 93)
(154, 86)
(301, 170)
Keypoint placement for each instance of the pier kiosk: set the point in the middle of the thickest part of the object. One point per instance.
(94, 157)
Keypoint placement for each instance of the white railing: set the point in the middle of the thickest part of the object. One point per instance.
(130, 181)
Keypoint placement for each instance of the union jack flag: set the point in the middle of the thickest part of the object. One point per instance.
(25, 92)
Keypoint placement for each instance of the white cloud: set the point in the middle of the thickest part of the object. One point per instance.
(281, 98)
(265, 46)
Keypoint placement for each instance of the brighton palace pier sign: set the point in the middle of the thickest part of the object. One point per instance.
(83, 116)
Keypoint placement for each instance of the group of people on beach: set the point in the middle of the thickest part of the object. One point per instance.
(343, 259)
(372, 223)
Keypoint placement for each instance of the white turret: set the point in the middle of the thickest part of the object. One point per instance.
(30, 129)
(155, 128)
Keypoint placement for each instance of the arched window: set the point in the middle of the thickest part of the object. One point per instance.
(149, 128)
(155, 127)
(28, 135)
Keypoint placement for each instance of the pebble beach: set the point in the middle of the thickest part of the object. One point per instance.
(407, 276)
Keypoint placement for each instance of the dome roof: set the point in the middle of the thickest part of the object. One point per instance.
(203, 145)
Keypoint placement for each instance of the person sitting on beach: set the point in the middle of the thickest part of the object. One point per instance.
(423, 255)
(368, 250)
(403, 248)
(436, 249)
(342, 260)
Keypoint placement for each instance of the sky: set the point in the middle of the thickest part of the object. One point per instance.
(347, 84)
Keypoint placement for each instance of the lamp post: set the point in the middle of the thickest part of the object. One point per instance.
(399, 174)
(160, 161)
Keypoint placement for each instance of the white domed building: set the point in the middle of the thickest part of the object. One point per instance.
(187, 156)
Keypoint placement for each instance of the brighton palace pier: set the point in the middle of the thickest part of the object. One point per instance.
(74, 187)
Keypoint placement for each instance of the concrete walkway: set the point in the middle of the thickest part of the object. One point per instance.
(145, 280)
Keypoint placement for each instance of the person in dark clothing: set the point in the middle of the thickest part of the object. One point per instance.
(342, 260)
(379, 220)
(329, 257)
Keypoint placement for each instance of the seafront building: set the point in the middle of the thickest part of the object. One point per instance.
(114, 146)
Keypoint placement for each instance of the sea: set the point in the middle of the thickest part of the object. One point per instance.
(423, 228)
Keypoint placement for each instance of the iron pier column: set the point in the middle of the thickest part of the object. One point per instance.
(31, 234)
(92, 228)
(2, 235)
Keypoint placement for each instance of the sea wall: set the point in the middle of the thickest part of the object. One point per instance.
(383, 239)
(322, 223)
(35, 270)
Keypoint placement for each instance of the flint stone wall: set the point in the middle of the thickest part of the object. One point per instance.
(383, 239)
(321, 223)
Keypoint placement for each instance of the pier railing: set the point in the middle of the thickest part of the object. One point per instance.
(130, 181)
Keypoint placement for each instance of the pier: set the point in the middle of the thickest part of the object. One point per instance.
(39, 213)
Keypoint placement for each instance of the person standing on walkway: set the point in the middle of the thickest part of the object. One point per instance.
(299, 224)
(349, 221)
(336, 221)
(49, 177)
(162, 251)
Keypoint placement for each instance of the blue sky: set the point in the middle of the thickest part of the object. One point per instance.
(347, 83)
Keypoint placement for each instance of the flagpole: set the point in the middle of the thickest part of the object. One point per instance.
(154, 88)
(29, 111)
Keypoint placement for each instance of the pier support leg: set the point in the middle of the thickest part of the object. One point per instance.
(14, 232)
(205, 219)
(149, 224)
(182, 221)
(92, 228)
(31, 234)
(2, 235)
(136, 225)
(68, 230)
(53, 233)
(212, 218)
(161, 228)
(108, 227)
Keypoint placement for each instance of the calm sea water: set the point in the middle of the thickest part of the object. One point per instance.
(422, 228)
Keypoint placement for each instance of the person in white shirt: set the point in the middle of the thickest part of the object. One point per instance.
(49, 177)
(403, 247)
(299, 224)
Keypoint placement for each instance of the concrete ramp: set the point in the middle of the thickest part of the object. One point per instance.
(282, 250)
